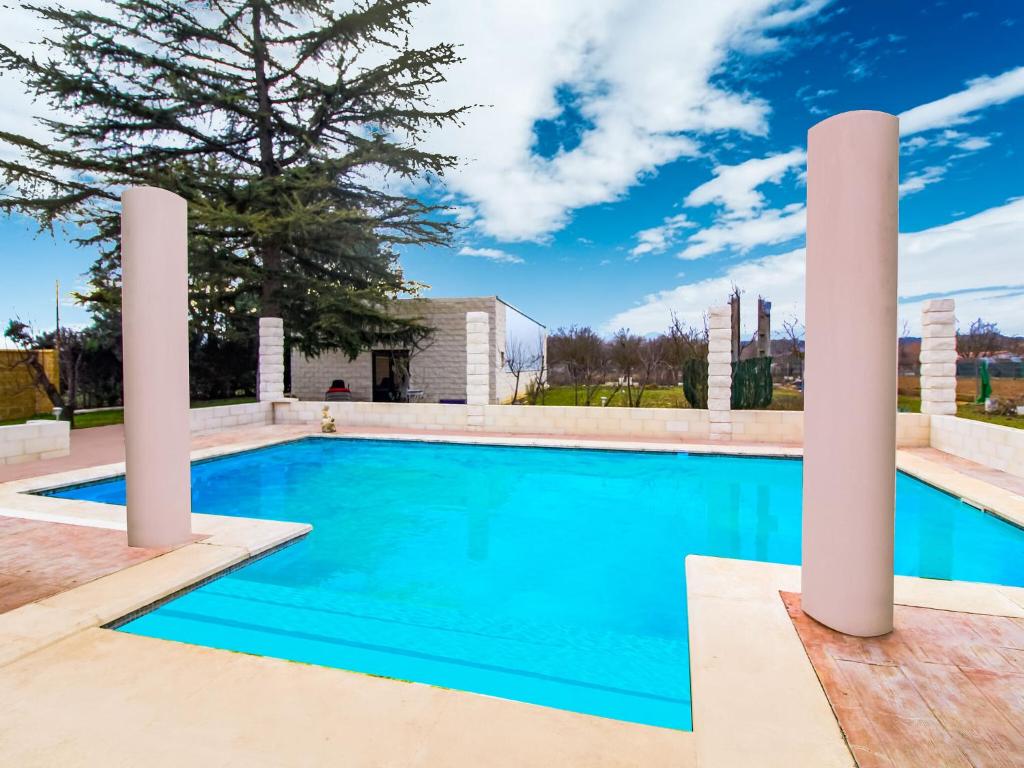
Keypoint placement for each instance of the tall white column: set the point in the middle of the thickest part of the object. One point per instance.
(850, 373)
(938, 357)
(270, 378)
(720, 372)
(478, 367)
(154, 322)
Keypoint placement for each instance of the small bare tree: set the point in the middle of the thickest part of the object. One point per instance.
(537, 386)
(638, 361)
(583, 356)
(983, 339)
(793, 332)
(519, 359)
(682, 344)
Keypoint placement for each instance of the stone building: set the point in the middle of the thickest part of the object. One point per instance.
(436, 370)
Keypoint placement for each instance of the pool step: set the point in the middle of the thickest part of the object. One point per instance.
(503, 657)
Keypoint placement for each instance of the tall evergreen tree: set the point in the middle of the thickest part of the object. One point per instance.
(279, 122)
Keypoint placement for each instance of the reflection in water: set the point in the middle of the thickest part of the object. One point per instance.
(766, 523)
(555, 577)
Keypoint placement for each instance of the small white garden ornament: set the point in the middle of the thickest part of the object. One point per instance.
(327, 421)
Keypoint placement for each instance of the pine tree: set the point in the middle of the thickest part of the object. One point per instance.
(279, 122)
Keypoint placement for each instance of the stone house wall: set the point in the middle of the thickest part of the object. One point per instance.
(438, 368)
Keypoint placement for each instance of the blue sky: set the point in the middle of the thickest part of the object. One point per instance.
(641, 159)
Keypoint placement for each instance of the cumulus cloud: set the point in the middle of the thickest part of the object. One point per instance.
(491, 254)
(659, 239)
(974, 143)
(736, 187)
(743, 223)
(915, 182)
(741, 235)
(642, 77)
(959, 108)
(975, 260)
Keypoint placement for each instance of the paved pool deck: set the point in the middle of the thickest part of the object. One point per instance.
(944, 688)
(76, 694)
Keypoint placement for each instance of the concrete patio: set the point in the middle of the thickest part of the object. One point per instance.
(81, 692)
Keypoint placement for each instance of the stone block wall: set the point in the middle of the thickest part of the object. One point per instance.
(270, 367)
(673, 424)
(938, 357)
(993, 445)
(720, 372)
(438, 368)
(221, 417)
(34, 440)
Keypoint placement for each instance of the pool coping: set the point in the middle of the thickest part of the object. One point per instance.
(731, 683)
(756, 697)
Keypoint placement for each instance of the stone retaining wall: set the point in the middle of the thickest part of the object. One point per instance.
(34, 440)
(994, 446)
(226, 416)
(679, 424)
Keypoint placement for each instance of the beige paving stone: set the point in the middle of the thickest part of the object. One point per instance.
(110, 698)
(35, 626)
(128, 590)
(253, 536)
(756, 698)
(963, 596)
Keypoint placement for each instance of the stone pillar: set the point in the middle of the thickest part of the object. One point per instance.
(270, 377)
(478, 367)
(720, 372)
(154, 327)
(850, 391)
(938, 357)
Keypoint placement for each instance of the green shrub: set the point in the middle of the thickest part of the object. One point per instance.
(751, 383)
(695, 382)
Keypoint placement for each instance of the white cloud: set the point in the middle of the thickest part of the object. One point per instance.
(642, 77)
(959, 108)
(915, 182)
(735, 187)
(975, 260)
(658, 239)
(744, 223)
(492, 254)
(770, 227)
(778, 278)
(974, 143)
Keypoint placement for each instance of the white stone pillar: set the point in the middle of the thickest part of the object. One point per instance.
(270, 378)
(720, 372)
(154, 327)
(850, 391)
(478, 367)
(938, 357)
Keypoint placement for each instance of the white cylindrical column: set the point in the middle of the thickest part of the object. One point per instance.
(720, 372)
(938, 357)
(850, 373)
(154, 323)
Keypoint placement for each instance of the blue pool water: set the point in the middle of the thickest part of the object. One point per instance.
(549, 576)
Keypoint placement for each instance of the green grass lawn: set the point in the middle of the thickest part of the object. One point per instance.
(116, 416)
(783, 399)
(912, 404)
(662, 397)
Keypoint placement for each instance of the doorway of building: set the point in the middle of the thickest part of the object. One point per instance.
(390, 375)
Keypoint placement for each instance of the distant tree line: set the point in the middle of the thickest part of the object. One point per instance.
(626, 363)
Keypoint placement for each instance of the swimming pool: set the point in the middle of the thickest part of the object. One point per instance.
(550, 576)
